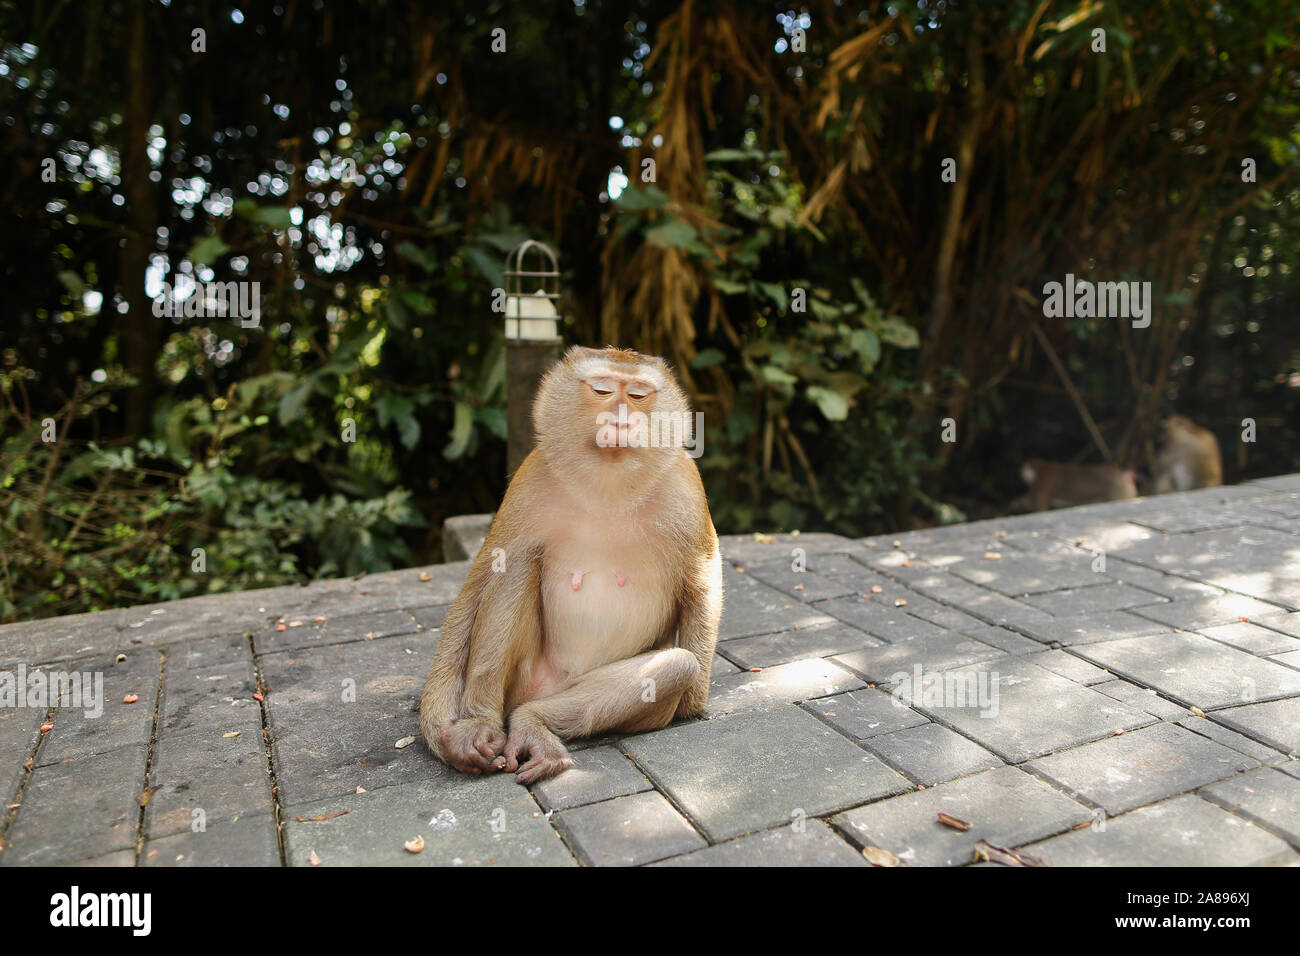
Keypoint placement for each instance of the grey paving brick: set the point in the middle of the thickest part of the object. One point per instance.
(1182, 520)
(19, 728)
(81, 731)
(811, 843)
(465, 821)
(78, 809)
(58, 638)
(117, 858)
(224, 649)
(759, 769)
(1291, 659)
(1070, 667)
(207, 777)
(881, 620)
(783, 683)
(324, 742)
(1252, 638)
(216, 697)
(999, 609)
(1018, 574)
(1140, 767)
(1007, 807)
(333, 630)
(864, 713)
(1092, 628)
(941, 615)
(806, 585)
(627, 831)
(931, 754)
(1279, 483)
(429, 618)
(1286, 622)
(1275, 723)
(722, 666)
(1245, 560)
(1266, 797)
(1194, 670)
(1206, 612)
(893, 662)
(601, 773)
(1003, 639)
(1143, 698)
(245, 841)
(822, 640)
(1230, 738)
(1291, 768)
(434, 584)
(1183, 831)
(759, 547)
(1165, 585)
(752, 607)
(1091, 600)
(1030, 711)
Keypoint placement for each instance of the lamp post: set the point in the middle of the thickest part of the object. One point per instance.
(532, 340)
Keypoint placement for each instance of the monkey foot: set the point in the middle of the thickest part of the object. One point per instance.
(544, 755)
(473, 746)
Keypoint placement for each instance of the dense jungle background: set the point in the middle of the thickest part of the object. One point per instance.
(371, 164)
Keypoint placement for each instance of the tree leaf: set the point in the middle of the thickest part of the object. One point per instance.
(461, 430)
(635, 199)
(832, 404)
(207, 250)
(708, 358)
(897, 332)
(671, 234)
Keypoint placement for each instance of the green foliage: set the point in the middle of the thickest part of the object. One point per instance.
(820, 369)
(87, 527)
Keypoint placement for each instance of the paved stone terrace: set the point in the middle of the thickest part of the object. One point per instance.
(1146, 713)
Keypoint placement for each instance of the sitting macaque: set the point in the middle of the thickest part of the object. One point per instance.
(1054, 484)
(1189, 457)
(593, 605)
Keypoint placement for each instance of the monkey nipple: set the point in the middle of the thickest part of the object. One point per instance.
(577, 580)
(620, 577)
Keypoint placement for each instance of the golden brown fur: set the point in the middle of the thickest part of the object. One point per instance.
(1189, 457)
(594, 603)
(1054, 484)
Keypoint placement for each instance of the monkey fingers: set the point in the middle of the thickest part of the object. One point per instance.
(473, 745)
(546, 755)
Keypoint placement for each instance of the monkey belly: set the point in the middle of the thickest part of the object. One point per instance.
(597, 622)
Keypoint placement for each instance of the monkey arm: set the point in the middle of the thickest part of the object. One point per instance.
(506, 635)
(700, 610)
(484, 635)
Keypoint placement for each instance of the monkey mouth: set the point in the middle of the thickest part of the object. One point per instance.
(614, 453)
(615, 443)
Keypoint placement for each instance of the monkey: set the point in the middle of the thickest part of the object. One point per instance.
(1055, 484)
(593, 605)
(1189, 457)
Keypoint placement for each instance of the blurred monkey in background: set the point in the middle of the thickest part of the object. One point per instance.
(1189, 457)
(1054, 484)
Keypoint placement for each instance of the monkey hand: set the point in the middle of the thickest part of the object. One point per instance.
(544, 755)
(471, 745)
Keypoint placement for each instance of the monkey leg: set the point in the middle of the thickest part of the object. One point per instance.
(640, 693)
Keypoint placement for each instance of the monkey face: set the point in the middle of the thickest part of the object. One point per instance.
(611, 407)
